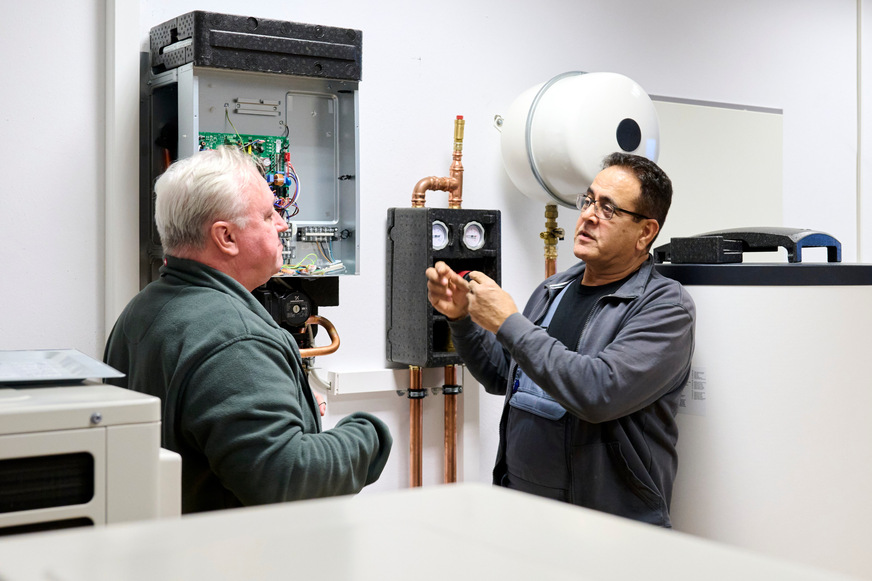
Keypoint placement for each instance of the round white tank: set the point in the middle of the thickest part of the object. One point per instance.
(555, 135)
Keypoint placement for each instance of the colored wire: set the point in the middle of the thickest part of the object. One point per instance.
(320, 247)
(291, 173)
(227, 116)
(299, 264)
(301, 267)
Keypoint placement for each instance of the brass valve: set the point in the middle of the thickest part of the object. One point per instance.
(552, 233)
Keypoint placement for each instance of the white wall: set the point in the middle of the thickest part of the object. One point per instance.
(51, 193)
(864, 211)
(422, 65)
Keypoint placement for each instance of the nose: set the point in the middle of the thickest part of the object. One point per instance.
(281, 223)
(591, 210)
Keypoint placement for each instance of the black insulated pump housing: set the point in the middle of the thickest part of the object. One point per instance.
(417, 238)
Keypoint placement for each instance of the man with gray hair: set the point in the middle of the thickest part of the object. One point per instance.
(236, 403)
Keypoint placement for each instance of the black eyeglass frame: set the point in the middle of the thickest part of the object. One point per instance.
(581, 199)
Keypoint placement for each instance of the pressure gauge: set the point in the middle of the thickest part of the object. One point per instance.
(473, 235)
(440, 235)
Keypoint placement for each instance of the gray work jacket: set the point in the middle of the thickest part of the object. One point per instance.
(603, 434)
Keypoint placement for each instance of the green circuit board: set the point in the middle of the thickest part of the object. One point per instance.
(273, 158)
(267, 147)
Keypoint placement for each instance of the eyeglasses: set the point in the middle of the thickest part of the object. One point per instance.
(605, 211)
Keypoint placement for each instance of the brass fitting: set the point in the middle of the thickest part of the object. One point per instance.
(551, 236)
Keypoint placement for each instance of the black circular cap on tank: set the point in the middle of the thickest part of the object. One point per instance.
(629, 135)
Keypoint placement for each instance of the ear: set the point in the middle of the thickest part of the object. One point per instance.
(223, 235)
(649, 232)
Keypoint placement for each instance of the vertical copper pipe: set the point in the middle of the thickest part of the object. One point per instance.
(550, 267)
(450, 401)
(416, 425)
(455, 195)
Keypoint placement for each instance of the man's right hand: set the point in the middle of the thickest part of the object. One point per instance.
(447, 291)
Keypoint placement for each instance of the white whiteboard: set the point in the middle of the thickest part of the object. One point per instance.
(725, 163)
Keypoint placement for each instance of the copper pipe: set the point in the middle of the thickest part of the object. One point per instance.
(432, 183)
(551, 236)
(455, 196)
(450, 400)
(331, 332)
(416, 425)
(452, 184)
(550, 267)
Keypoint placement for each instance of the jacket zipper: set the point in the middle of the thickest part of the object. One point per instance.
(552, 291)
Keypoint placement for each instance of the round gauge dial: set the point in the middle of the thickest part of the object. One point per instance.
(473, 235)
(440, 235)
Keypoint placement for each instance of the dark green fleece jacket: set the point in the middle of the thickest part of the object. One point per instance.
(236, 403)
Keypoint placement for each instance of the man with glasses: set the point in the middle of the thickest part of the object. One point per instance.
(593, 369)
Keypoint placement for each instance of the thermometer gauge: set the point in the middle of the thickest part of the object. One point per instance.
(473, 235)
(440, 235)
